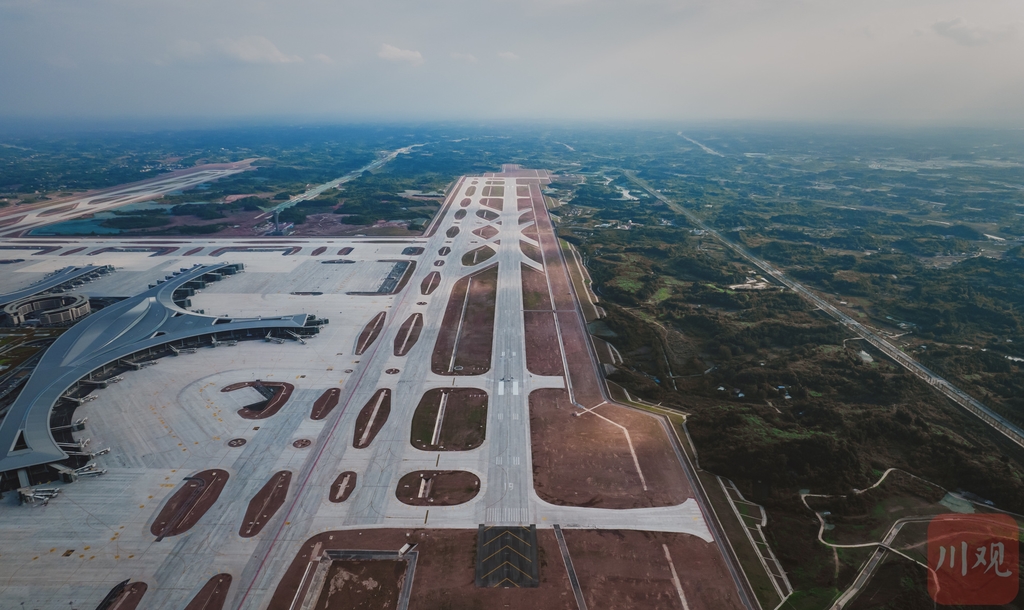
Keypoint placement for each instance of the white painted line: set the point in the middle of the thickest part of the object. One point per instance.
(675, 578)
(515, 388)
(629, 441)
(440, 418)
(501, 388)
(373, 417)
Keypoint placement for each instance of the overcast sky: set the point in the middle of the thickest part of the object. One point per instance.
(930, 61)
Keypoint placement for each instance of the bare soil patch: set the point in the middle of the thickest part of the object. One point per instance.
(343, 486)
(493, 191)
(431, 282)
(318, 251)
(371, 418)
(535, 289)
(452, 232)
(586, 460)
(276, 392)
(362, 585)
(130, 596)
(477, 256)
(527, 217)
(460, 214)
(445, 570)
(468, 326)
(522, 191)
(530, 231)
(486, 232)
(369, 333)
(408, 334)
(493, 203)
(265, 503)
(437, 488)
(575, 337)
(624, 569)
(487, 215)
(213, 594)
(193, 251)
(465, 202)
(188, 505)
(542, 354)
(531, 251)
(471, 191)
(524, 204)
(325, 404)
(462, 425)
(444, 251)
(345, 251)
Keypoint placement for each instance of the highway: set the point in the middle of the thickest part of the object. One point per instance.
(972, 405)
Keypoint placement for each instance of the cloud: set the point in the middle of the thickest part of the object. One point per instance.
(465, 57)
(969, 36)
(255, 50)
(186, 49)
(392, 53)
(509, 55)
(324, 59)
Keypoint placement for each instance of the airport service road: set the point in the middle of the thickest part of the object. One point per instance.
(171, 420)
(49, 213)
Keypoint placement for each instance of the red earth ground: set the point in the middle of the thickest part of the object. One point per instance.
(325, 404)
(343, 486)
(408, 334)
(213, 594)
(182, 510)
(282, 392)
(541, 335)
(445, 487)
(369, 333)
(463, 426)
(265, 503)
(383, 410)
(584, 459)
(468, 326)
(445, 570)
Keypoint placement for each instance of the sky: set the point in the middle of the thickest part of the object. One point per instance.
(948, 62)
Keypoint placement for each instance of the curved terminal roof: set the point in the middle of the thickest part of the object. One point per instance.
(61, 276)
(148, 320)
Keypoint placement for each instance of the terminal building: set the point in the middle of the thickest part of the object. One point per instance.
(35, 433)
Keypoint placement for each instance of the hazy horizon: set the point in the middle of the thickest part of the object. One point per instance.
(920, 62)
